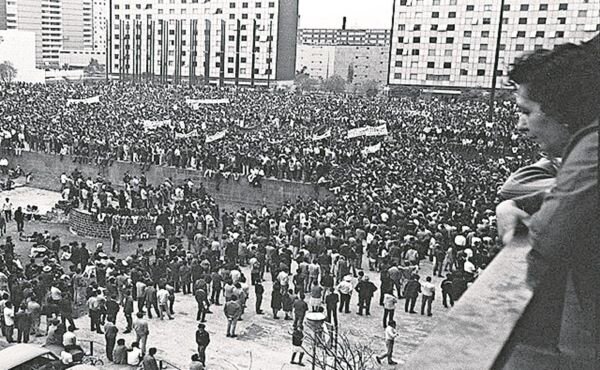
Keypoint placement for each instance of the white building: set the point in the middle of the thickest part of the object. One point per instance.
(356, 55)
(58, 25)
(18, 48)
(228, 41)
(316, 60)
(452, 42)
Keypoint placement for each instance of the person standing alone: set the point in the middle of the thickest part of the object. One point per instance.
(202, 340)
(390, 336)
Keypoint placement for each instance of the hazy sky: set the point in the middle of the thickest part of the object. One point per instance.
(360, 13)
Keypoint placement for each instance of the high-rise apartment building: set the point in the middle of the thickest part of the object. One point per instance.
(452, 42)
(222, 41)
(99, 16)
(58, 25)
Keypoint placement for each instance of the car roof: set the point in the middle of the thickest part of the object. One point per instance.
(20, 353)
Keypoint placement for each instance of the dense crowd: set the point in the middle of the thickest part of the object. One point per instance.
(426, 192)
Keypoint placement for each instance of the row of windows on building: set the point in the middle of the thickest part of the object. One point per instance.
(243, 50)
(487, 21)
(484, 34)
(242, 71)
(488, 7)
(482, 47)
(231, 16)
(446, 77)
(446, 65)
(232, 5)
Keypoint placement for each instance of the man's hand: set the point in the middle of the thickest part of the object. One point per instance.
(509, 218)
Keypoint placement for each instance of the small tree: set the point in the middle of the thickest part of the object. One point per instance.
(335, 84)
(337, 351)
(370, 88)
(94, 67)
(7, 72)
(304, 82)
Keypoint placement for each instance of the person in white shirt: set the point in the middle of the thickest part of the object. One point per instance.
(134, 355)
(390, 336)
(428, 290)
(389, 307)
(163, 302)
(7, 208)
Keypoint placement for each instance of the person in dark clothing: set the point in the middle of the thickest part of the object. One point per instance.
(217, 286)
(300, 308)
(128, 311)
(331, 302)
(202, 340)
(447, 291)
(66, 311)
(259, 290)
(365, 290)
(23, 323)
(200, 295)
(276, 300)
(19, 219)
(297, 338)
(112, 309)
(459, 285)
(411, 292)
(386, 285)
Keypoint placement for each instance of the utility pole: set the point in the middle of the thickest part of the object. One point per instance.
(496, 57)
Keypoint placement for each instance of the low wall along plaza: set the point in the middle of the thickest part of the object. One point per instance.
(84, 223)
(231, 195)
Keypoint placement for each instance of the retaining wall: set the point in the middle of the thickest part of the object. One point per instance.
(232, 194)
(84, 223)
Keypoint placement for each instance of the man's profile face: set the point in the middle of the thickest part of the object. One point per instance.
(545, 130)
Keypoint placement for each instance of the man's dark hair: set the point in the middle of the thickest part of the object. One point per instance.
(152, 351)
(121, 341)
(565, 81)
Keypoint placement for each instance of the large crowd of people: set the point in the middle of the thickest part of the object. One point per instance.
(427, 189)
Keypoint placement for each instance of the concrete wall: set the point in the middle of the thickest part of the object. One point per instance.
(85, 224)
(232, 194)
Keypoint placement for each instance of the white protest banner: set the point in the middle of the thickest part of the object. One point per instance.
(356, 132)
(92, 100)
(368, 131)
(372, 149)
(377, 130)
(195, 103)
(192, 133)
(322, 136)
(152, 125)
(218, 136)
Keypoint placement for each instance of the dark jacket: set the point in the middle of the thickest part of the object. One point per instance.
(202, 338)
(412, 289)
(365, 289)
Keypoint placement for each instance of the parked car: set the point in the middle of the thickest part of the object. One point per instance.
(29, 357)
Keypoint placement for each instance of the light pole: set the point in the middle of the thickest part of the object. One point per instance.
(496, 57)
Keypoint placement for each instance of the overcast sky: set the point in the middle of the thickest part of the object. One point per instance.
(360, 13)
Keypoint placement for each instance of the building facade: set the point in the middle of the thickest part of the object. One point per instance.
(99, 16)
(452, 43)
(332, 36)
(220, 41)
(58, 25)
(356, 55)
